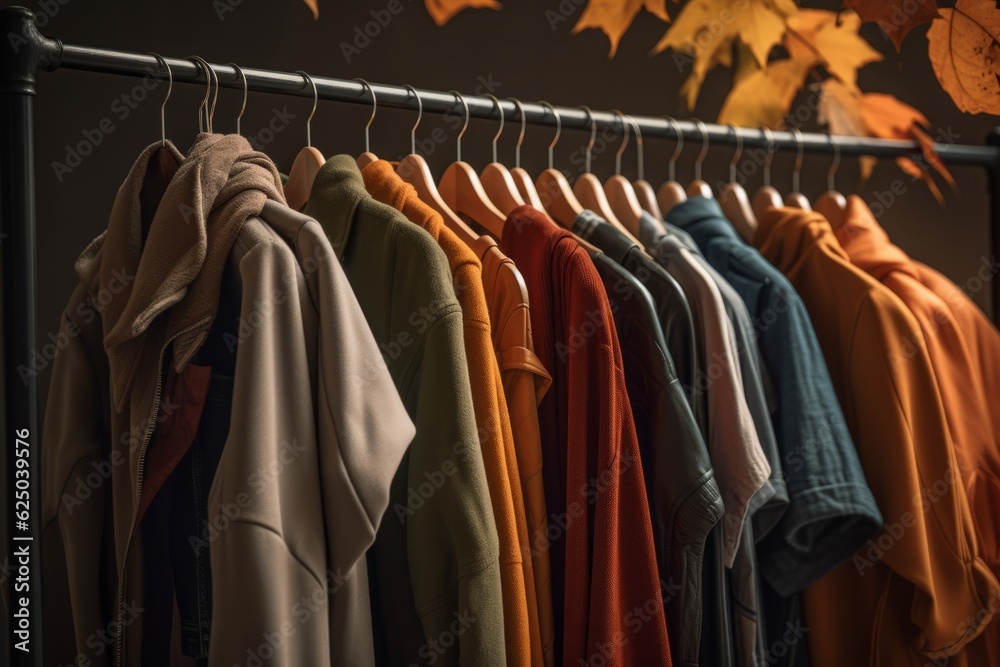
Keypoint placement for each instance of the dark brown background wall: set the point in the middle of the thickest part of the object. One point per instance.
(525, 50)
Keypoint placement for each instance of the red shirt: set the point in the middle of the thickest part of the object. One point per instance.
(605, 586)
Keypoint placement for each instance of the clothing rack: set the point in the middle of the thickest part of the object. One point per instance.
(30, 52)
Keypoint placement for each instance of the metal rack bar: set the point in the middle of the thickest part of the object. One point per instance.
(347, 90)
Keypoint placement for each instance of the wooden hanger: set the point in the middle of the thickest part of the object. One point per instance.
(307, 163)
(643, 190)
(733, 197)
(620, 193)
(698, 187)
(588, 188)
(832, 204)
(671, 193)
(795, 198)
(414, 170)
(521, 178)
(462, 190)
(554, 192)
(766, 196)
(496, 179)
(368, 157)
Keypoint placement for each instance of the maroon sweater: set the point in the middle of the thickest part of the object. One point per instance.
(605, 587)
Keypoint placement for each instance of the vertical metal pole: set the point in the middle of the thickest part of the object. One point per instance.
(22, 52)
(993, 176)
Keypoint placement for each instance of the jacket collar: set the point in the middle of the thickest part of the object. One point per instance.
(176, 270)
(650, 229)
(335, 196)
(702, 217)
(786, 234)
(612, 242)
(868, 245)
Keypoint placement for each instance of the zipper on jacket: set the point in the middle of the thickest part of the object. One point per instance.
(147, 436)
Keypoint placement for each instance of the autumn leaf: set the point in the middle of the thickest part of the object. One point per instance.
(442, 11)
(833, 39)
(615, 16)
(314, 6)
(763, 98)
(896, 18)
(706, 30)
(964, 48)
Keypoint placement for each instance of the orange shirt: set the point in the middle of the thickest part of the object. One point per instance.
(963, 369)
(525, 382)
(919, 590)
(495, 435)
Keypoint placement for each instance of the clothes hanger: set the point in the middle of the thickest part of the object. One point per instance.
(555, 194)
(832, 204)
(766, 196)
(206, 112)
(497, 181)
(246, 91)
(795, 198)
(588, 188)
(462, 190)
(671, 193)
(368, 157)
(733, 197)
(643, 190)
(163, 164)
(521, 177)
(698, 187)
(619, 191)
(307, 163)
(414, 170)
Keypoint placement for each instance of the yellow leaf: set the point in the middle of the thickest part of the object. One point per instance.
(761, 29)
(964, 48)
(763, 98)
(832, 38)
(442, 11)
(314, 6)
(746, 64)
(840, 109)
(866, 165)
(615, 16)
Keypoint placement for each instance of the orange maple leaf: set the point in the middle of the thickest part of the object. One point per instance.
(442, 11)
(314, 6)
(964, 48)
(896, 18)
(831, 39)
(762, 98)
(615, 16)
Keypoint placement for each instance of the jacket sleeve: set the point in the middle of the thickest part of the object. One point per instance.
(363, 432)
(909, 459)
(76, 482)
(452, 540)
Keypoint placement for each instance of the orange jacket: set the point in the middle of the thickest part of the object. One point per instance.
(495, 436)
(965, 350)
(525, 382)
(919, 590)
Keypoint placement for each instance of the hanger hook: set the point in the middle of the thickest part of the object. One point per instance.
(770, 155)
(520, 137)
(672, 165)
(246, 91)
(420, 114)
(367, 86)
(309, 81)
(737, 155)
(799, 150)
(163, 107)
(621, 149)
(465, 105)
(500, 131)
(555, 139)
(704, 149)
(588, 152)
(204, 121)
(640, 154)
(831, 175)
